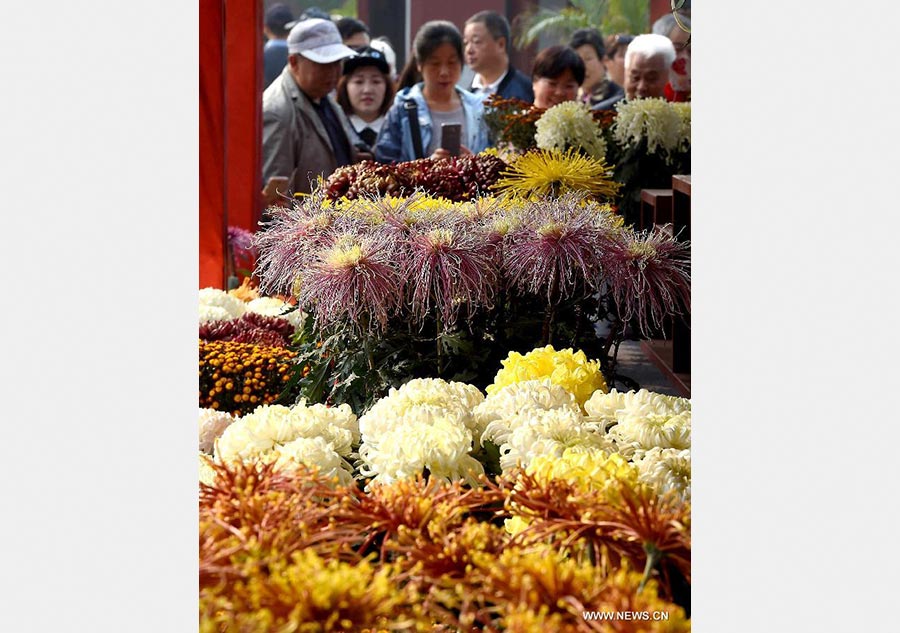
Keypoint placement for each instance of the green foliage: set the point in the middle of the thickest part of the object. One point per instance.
(638, 169)
(359, 368)
(611, 16)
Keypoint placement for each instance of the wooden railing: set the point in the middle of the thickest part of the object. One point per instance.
(671, 209)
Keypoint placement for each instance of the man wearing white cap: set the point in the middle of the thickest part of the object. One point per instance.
(303, 134)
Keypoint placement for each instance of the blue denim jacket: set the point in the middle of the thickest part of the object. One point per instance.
(394, 142)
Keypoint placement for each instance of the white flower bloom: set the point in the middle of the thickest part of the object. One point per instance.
(609, 405)
(646, 430)
(313, 452)
(214, 313)
(666, 469)
(212, 424)
(267, 306)
(274, 307)
(207, 474)
(264, 433)
(684, 111)
(499, 411)
(428, 424)
(425, 438)
(567, 125)
(341, 416)
(550, 432)
(455, 396)
(644, 419)
(215, 298)
(654, 120)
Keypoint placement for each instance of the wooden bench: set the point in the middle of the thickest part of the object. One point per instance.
(656, 208)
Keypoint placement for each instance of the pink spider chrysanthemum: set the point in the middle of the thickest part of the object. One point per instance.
(556, 249)
(449, 264)
(352, 281)
(290, 240)
(649, 276)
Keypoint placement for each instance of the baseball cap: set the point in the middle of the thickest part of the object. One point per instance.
(278, 16)
(389, 56)
(319, 41)
(367, 56)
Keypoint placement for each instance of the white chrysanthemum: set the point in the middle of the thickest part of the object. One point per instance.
(570, 125)
(313, 452)
(215, 298)
(268, 428)
(207, 474)
(427, 423)
(666, 469)
(550, 432)
(451, 396)
(684, 111)
(307, 423)
(244, 439)
(645, 430)
(611, 405)
(341, 416)
(653, 120)
(427, 437)
(214, 313)
(498, 412)
(212, 424)
(274, 307)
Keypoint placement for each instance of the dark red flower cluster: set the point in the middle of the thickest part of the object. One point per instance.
(457, 178)
(250, 328)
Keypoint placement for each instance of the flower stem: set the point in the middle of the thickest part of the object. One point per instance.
(437, 341)
(653, 557)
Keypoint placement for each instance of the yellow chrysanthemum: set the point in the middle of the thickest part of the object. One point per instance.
(572, 370)
(589, 469)
(554, 173)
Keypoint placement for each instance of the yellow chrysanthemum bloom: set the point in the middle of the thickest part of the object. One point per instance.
(589, 469)
(554, 173)
(569, 369)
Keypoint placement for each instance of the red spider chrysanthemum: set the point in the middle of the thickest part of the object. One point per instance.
(556, 249)
(649, 276)
(449, 264)
(352, 281)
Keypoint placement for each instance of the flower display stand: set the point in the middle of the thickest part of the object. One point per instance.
(681, 225)
(672, 356)
(656, 207)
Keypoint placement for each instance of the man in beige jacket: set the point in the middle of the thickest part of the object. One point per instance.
(303, 132)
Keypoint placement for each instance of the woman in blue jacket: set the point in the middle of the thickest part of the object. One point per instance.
(438, 51)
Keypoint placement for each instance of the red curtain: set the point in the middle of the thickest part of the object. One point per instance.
(230, 127)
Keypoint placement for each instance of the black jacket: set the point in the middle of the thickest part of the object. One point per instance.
(514, 84)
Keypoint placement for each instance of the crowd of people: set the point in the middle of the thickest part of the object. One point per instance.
(334, 96)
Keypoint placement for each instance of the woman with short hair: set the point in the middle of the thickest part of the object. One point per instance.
(557, 74)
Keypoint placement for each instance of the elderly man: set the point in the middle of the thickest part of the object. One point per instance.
(647, 63)
(486, 42)
(303, 133)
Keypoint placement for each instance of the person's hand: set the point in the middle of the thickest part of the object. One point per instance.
(273, 194)
(442, 153)
(361, 156)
